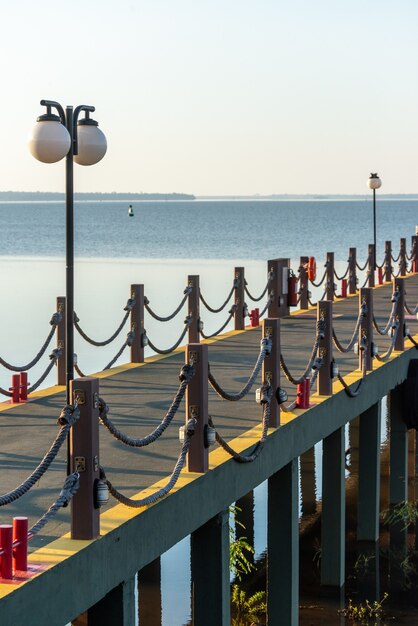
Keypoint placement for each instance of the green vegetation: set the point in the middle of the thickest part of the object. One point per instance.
(365, 613)
(247, 609)
(404, 512)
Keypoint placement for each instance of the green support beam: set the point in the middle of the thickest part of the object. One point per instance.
(369, 475)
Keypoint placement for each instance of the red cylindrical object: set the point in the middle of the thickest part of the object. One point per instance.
(414, 266)
(292, 290)
(15, 388)
(255, 317)
(20, 543)
(307, 390)
(344, 288)
(6, 559)
(23, 395)
(380, 276)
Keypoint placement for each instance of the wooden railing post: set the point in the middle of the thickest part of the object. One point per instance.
(303, 283)
(271, 366)
(137, 323)
(324, 383)
(414, 253)
(84, 451)
(387, 265)
(278, 287)
(371, 264)
(194, 309)
(197, 406)
(239, 316)
(352, 272)
(329, 280)
(62, 360)
(399, 286)
(366, 329)
(403, 262)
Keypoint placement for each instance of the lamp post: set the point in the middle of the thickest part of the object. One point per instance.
(53, 138)
(374, 183)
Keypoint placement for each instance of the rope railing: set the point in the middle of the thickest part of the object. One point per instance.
(397, 258)
(69, 415)
(128, 308)
(359, 267)
(265, 348)
(160, 318)
(320, 332)
(410, 310)
(54, 356)
(353, 393)
(411, 339)
(186, 374)
(321, 281)
(249, 458)
(349, 347)
(181, 461)
(388, 353)
(269, 301)
(389, 325)
(147, 340)
(128, 342)
(218, 332)
(69, 488)
(260, 297)
(344, 275)
(55, 320)
(223, 305)
(367, 279)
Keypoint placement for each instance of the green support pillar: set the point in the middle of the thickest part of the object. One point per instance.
(369, 475)
(149, 594)
(333, 510)
(210, 572)
(283, 547)
(116, 608)
(308, 482)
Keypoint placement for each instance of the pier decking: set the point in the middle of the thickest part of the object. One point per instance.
(138, 397)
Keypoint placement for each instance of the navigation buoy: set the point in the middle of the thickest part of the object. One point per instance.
(130, 211)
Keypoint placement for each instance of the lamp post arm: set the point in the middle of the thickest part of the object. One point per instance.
(77, 111)
(55, 105)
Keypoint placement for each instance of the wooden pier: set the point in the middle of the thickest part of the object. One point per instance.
(95, 576)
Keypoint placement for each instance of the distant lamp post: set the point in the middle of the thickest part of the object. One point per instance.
(374, 183)
(53, 138)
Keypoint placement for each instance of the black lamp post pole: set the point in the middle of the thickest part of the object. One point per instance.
(69, 247)
(374, 229)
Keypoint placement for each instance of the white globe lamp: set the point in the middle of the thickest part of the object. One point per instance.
(91, 142)
(49, 140)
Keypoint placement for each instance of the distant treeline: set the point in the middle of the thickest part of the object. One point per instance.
(50, 195)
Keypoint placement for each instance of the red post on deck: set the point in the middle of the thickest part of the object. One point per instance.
(6, 551)
(303, 394)
(197, 406)
(380, 275)
(23, 387)
(255, 317)
(15, 388)
(20, 543)
(343, 287)
(137, 323)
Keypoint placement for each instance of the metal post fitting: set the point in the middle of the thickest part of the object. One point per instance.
(270, 372)
(399, 286)
(239, 298)
(352, 272)
(365, 340)
(324, 383)
(387, 264)
(62, 359)
(371, 264)
(137, 323)
(193, 299)
(278, 287)
(197, 406)
(329, 280)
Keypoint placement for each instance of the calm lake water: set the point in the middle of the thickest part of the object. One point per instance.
(160, 246)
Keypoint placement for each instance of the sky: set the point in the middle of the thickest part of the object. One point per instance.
(217, 97)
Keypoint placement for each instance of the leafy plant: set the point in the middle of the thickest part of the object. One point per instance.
(365, 613)
(239, 563)
(404, 512)
(247, 608)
